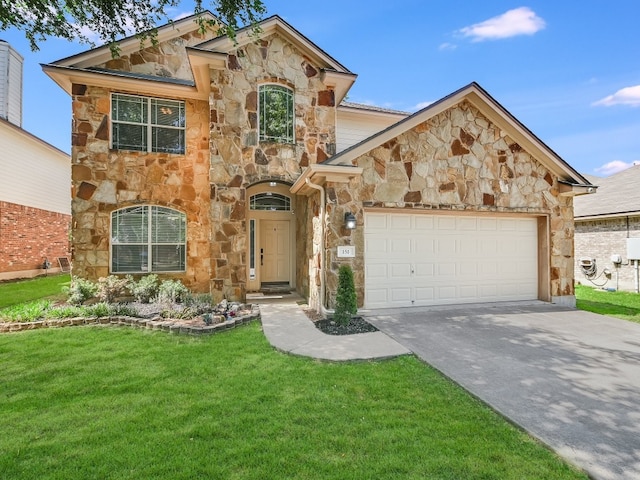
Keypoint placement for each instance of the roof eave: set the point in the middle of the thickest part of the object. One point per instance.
(319, 174)
(65, 77)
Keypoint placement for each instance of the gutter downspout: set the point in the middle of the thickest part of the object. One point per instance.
(321, 309)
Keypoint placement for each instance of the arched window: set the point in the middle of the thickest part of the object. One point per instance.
(276, 114)
(270, 201)
(148, 238)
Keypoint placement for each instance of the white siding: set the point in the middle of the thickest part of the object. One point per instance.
(355, 126)
(34, 173)
(10, 84)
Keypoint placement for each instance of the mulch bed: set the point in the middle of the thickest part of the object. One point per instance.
(355, 325)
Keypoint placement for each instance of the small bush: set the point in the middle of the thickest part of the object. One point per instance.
(111, 287)
(346, 298)
(144, 289)
(172, 291)
(81, 290)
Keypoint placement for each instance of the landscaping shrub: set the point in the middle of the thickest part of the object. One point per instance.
(111, 287)
(346, 298)
(81, 290)
(145, 289)
(172, 291)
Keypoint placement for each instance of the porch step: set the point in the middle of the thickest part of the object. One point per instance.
(269, 288)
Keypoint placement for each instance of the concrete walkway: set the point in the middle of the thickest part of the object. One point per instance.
(289, 330)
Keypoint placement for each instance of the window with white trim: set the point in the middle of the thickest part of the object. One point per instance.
(147, 124)
(148, 238)
(276, 114)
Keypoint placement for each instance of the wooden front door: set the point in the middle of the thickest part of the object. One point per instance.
(275, 258)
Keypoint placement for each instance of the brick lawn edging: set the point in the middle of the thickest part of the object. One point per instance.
(166, 325)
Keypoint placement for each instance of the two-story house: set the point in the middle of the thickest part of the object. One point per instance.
(231, 166)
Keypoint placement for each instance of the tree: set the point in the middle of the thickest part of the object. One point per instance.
(111, 20)
(346, 298)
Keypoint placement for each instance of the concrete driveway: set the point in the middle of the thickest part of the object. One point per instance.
(570, 378)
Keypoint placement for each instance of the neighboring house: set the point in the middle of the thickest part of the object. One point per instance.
(607, 238)
(35, 201)
(234, 165)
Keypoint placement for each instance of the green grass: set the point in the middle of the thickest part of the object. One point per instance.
(121, 403)
(13, 293)
(625, 305)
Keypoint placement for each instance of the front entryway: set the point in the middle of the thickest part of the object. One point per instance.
(275, 259)
(271, 226)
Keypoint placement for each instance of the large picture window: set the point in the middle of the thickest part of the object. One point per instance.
(148, 239)
(276, 114)
(147, 124)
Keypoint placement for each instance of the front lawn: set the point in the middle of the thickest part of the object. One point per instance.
(625, 305)
(121, 403)
(22, 291)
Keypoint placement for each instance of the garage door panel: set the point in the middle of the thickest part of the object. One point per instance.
(414, 259)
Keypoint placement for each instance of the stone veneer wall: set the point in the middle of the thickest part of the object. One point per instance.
(456, 161)
(29, 235)
(239, 160)
(104, 180)
(599, 239)
(167, 59)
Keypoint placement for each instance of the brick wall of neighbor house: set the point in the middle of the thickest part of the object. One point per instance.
(239, 160)
(456, 161)
(28, 235)
(104, 180)
(599, 239)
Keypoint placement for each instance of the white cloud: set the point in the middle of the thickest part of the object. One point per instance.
(447, 46)
(613, 167)
(420, 106)
(519, 21)
(624, 96)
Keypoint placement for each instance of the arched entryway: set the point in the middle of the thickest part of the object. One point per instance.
(271, 246)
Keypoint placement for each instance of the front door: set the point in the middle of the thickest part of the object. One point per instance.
(275, 252)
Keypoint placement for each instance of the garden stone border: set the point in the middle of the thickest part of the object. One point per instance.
(166, 325)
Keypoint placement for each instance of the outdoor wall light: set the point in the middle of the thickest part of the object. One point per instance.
(349, 221)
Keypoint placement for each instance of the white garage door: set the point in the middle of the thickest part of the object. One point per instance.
(416, 259)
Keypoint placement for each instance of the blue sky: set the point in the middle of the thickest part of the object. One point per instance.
(570, 71)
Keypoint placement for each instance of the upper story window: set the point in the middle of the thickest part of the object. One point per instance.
(147, 238)
(276, 114)
(147, 124)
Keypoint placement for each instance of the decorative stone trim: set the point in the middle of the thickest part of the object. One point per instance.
(166, 325)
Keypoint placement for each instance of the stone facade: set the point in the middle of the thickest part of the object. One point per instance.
(29, 235)
(239, 160)
(104, 180)
(599, 239)
(456, 161)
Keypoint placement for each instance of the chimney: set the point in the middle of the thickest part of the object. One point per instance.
(10, 84)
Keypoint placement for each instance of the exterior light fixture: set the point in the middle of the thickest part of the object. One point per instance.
(349, 221)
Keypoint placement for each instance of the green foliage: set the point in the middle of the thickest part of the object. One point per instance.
(111, 287)
(144, 289)
(346, 298)
(110, 20)
(25, 312)
(172, 291)
(81, 290)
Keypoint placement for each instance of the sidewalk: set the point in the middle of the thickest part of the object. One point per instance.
(289, 330)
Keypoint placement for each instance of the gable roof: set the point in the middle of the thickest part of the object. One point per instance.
(618, 195)
(81, 68)
(491, 109)
(334, 74)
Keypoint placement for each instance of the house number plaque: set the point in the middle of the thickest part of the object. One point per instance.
(346, 251)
